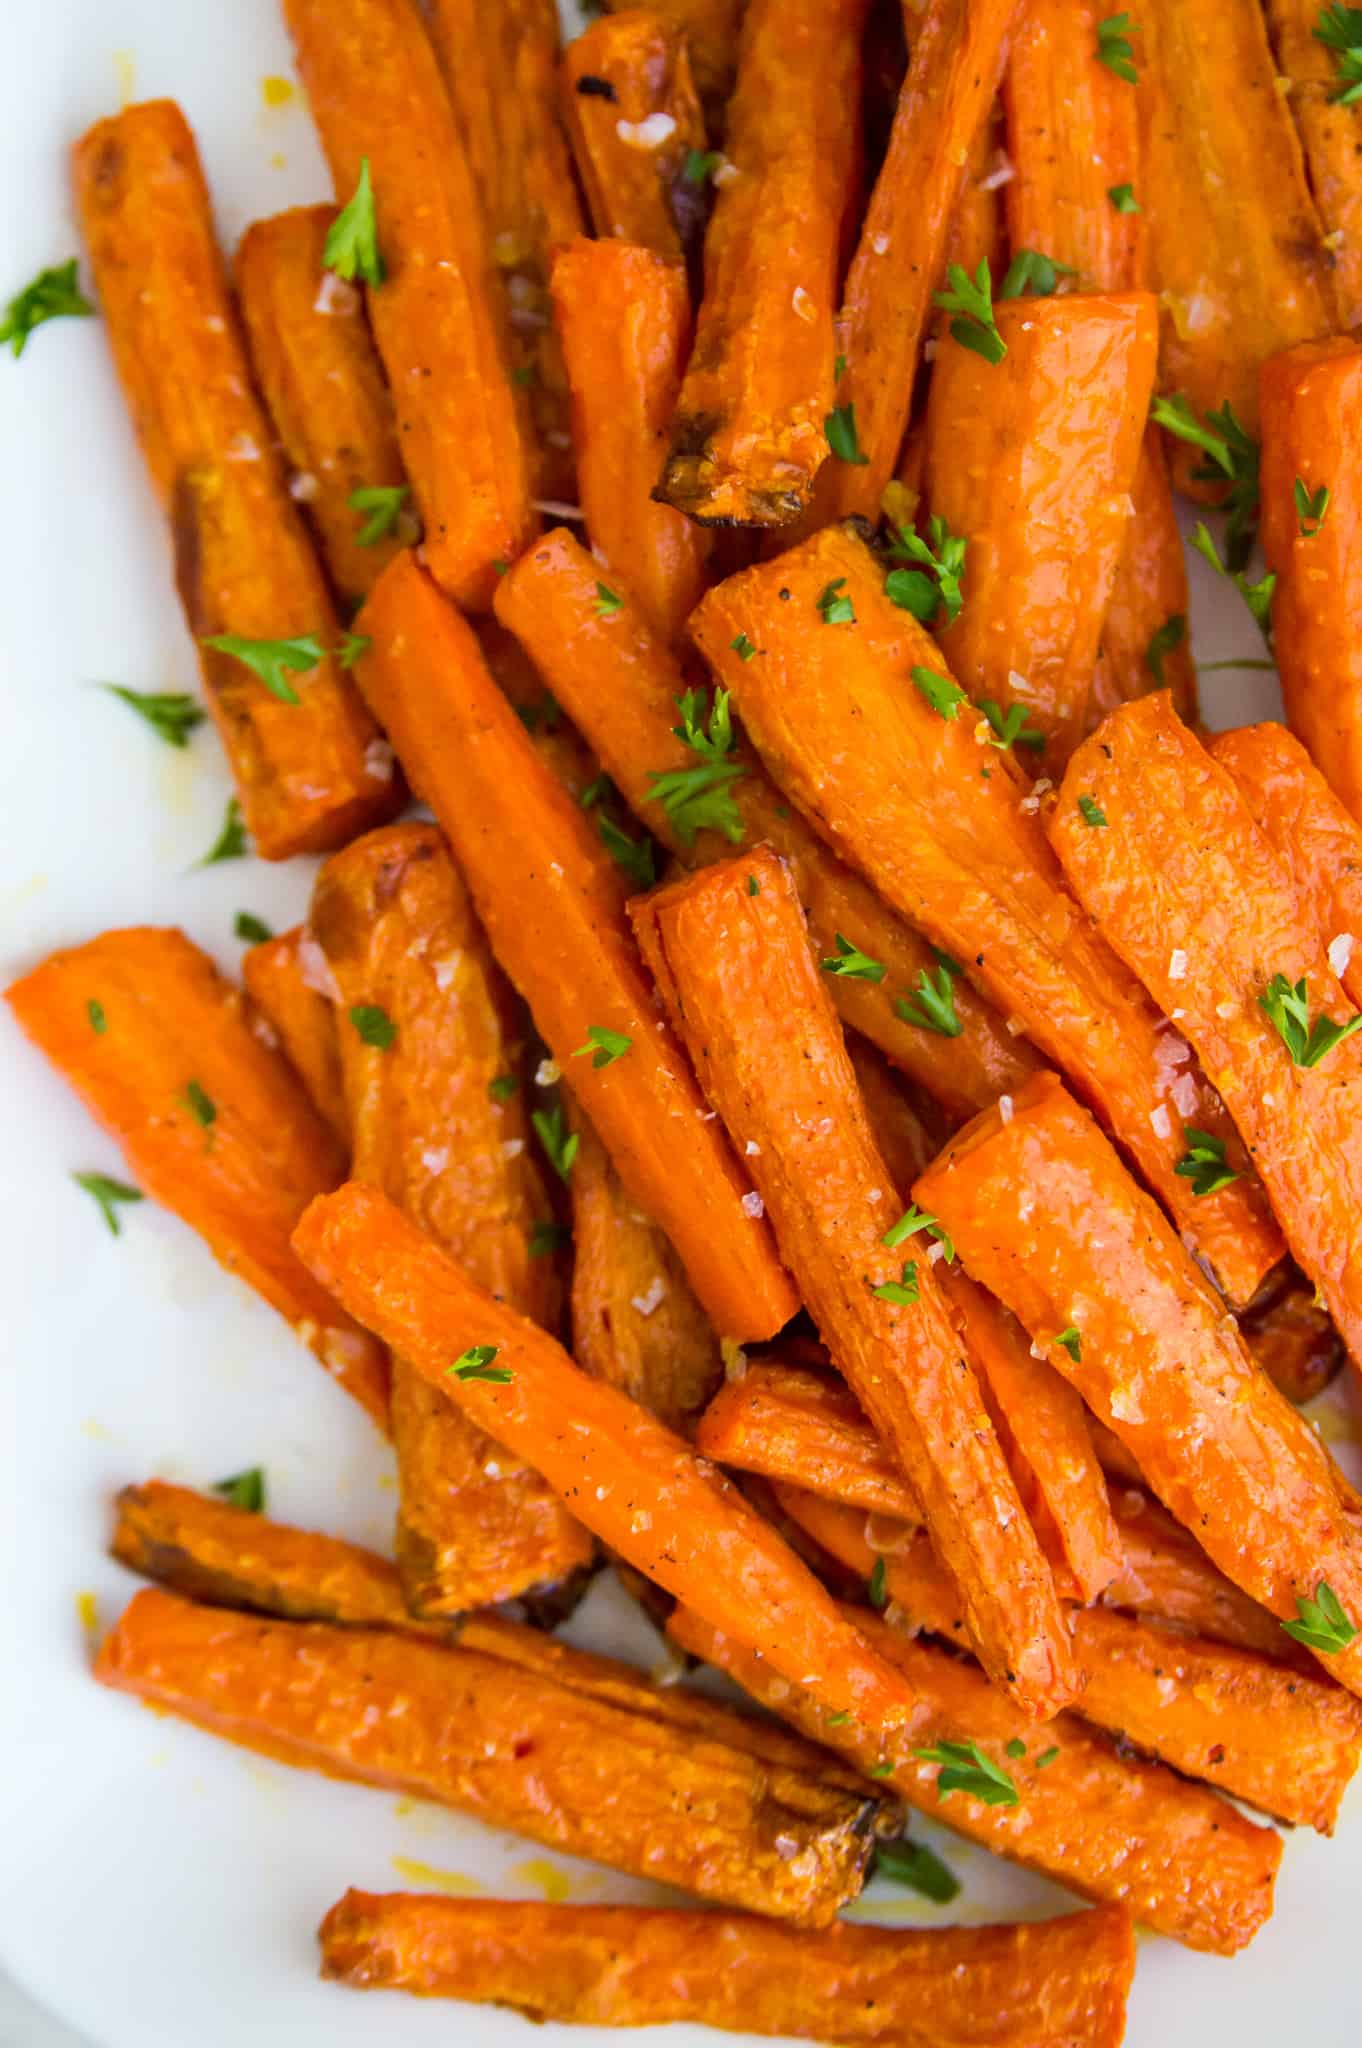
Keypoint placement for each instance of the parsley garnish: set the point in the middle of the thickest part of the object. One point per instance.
(108, 1193)
(200, 1105)
(1321, 1623)
(1032, 271)
(251, 929)
(836, 610)
(1016, 1747)
(523, 375)
(244, 1490)
(607, 602)
(910, 1222)
(840, 428)
(696, 798)
(604, 1045)
(230, 843)
(933, 1004)
(375, 1026)
(170, 714)
(965, 1768)
(1340, 30)
(1069, 1340)
(1114, 47)
(901, 1292)
(1092, 811)
(598, 791)
(971, 301)
(742, 647)
(352, 240)
(837, 1720)
(839, 368)
(920, 1868)
(351, 648)
(879, 1770)
(753, 886)
(268, 659)
(876, 1586)
(936, 585)
(546, 1238)
(476, 1364)
(560, 1145)
(1257, 596)
(53, 295)
(502, 1087)
(1009, 729)
(99, 1023)
(635, 856)
(1123, 198)
(1234, 458)
(1311, 506)
(1288, 1012)
(1046, 1757)
(383, 503)
(548, 712)
(1162, 641)
(941, 693)
(1203, 1163)
(699, 165)
(852, 963)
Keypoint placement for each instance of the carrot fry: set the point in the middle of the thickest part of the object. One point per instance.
(635, 1321)
(500, 66)
(638, 1487)
(209, 1118)
(379, 101)
(1145, 642)
(548, 897)
(748, 436)
(955, 64)
(624, 321)
(1256, 1729)
(302, 1019)
(1041, 1209)
(1032, 460)
(1188, 847)
(1331, 132)
(711, 30)
(786, 1422)
(1062, 1984)
(622, 686)
(633, 70)
(435, 1125)
(935, 817)
(316, 365)
(308, 765)
(1292, 1337)
(1311, 397)
(769, 1053)
(1236, 249)
(491, 1739)
(1113, 1828)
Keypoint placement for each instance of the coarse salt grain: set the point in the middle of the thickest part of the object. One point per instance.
(1005, 1108)
(650, 133)
(445, 970)
(302, 487)
(547, 1074)
(751, 1148)
(379, 760)
(804, 308)
(435, 1158)
(753, 1205)
(1161, 1122)
(651, 1298)
(880, 244)
(1177, 964)
(726, 174)
(512, 1147)
(557, 508)
(334, 295)
(1003, 172)
(1341, 953)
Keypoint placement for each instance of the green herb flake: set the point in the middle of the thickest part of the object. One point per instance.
(1032, 271)
(753, 886)
(910, 1222)
(840, 428)
(604, 1045)
(502, 1087)
(834, 608)
(476, 1364)
(932, 1007)
(1123, 198)
(244, 1490)
(634, 856)
(1233, 460)
(600, 790)
(1092, 812)
(965, 1768)
(837, 1720)
(1046, 1758)
(941, 693)
(700, 799)
(200, 1105)
(171, 715)
(1257, 596)
(1287, 1009)
(269, 659)
(547, 1238)
(742, 647)
(607, 602)
(250, 929)
(560, 1145)
(852, 964)
(1321, 1623)
(1009, 729)
(902, 1292)
(524, 375)
(383, 504)
(54, 294)
(108, 1194)
(1340, 30)
(231, 842)
(352, 242)
(917, 1867)
(1070, 1340)
(935, 584)
(971, 301)
(1203, 1163)
(1016, 1747)
(700, 165)
(1311, 506)
(877, 1589)
(880, 1771)
(99, 1023)
(1162, 641)
(1114, 48)
(351, 648)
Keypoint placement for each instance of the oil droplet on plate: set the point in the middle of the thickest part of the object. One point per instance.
(452, 1881)
(555, 1884)
(276, 91)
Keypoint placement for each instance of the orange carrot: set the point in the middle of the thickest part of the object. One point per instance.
(748, 436)
(1204, 912)
(548, 897)
(785, 1422)
(769, 1053)
(1032, 460)
(1145, 642)
(638, 1487)
(209, 1118)
(624, 321)
(308, 764)
(1110, 1827)
(379, 101)
(1044, 1212)
(489, 1739)
(316, 365)
(556, 740)
(437, 1121)
(1062, 1984)
(622, 686)
(1331, 131)
(936, 818)
(276, 973)
(633, 70)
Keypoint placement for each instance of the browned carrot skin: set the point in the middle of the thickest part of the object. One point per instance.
(1292, 1337)
(1032, 460)
(319, 373)
(748, 436)
(937, 819)
(495, 1741)
(1311, 398)
(1166, 916)
(430, 1128)
(1148, 602)
(376, 93)
(548, 896)
(1236, 248)
(908, 1127)
(955, 64)
(635, 68)
(1043, 1210)
(711, 30)
(1062, 1984)
(281, 980)
(768, 1049)
(1332, 136)
(1110, 1827)
(556, 740)
(621, 684)
(312, 773)
(500, 66)
(210, 1119)
(624, 320)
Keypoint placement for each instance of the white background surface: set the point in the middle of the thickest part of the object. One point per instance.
(156, 1887)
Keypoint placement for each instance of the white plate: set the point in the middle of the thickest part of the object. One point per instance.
(157, 1887)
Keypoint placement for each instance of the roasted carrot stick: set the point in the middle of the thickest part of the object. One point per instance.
(548, 897)
(768, 1049)
(622, 686)
(1205, 913)
(785, 1422)
(623, 318)
(638, 1487)
(1331, 131)
(379, 101)
(634, 120)
(1044, 1212)
(1111, 1827)
(209, 1118)
(317, 368)
(1311, 399)
(712, 33)
(1062, 1984)
(1236, 248)
(748, 436)
(438, 1122)
(955, 63)
(1032, 459)
(280, 978)
(302, 752)
(496, 1741)
(1145, 642)
(500, 66)
(935, 817)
